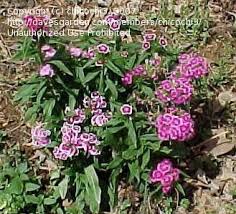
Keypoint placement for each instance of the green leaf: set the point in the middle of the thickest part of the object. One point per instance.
(59, 64)
(134, 170)
(142, 58)
(115, 163)
(131, 62)
(31, 113)
(130, 153)
(113, 68)
(49, 201)
(94, 189)
(40, 94)
(149, 137)
(60, 81)
(80, 73)
(132, 133)
(16, 186)
(146, 159)
(147, 91)
(48, 107)
(114, 130)
(90, 76)
(89, 63)
(32, 199)
(26, 90)
(180, 188)
(112, 88)
(63, 187)
(31, 187)
(72, 101)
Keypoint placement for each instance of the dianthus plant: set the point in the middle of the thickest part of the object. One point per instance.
(109, 110)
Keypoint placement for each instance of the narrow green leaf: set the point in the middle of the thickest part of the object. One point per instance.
(94, 188)
(48, 107)
(40, 94)
(80, 73)
(72, 101)
(145, 159)
(60, 65)
(113, 68)
(180, 188)
(90, 76)
(31, 112)
(131, 62)
(112, 88)
(132, 133)
(63, 187)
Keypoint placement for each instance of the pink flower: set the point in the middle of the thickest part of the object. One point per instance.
(139, 71)
(175, 172)
(165, 166)
(36, 23)
(86, 102)
(100, 119)
(163, 42)
(115, 25)
(40, 136)
(126, 109)
(156, 61)
(127, 79)
(149, 37)
(175, 90)
(165, 174)
(46, 70)
(75, 52)
(114, 21)
(48, 51)
(65, 151)
(156, 176)
(103, 49)
(177, 126)
(95, 95)
(191, 66)
(166, 189)
(91, 54)
(92, 150)
(146, 45)
(167, 180)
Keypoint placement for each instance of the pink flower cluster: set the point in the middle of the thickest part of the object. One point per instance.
(79, 53)
(40, 136)
(175, 125)
(36, 23)
(165, 174)
(113, 20)
(138, 71)
(175, 90)
(191, 66)
(74, 141)
(96, 103)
